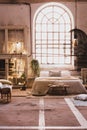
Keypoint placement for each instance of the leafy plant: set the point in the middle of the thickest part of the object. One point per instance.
(23, 76)
(35, 67)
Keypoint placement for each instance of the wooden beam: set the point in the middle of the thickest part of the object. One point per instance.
(36, 1)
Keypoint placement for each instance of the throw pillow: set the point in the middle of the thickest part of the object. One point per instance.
(82, 97)
(54, 73)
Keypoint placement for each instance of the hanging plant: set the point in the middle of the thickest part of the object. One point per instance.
(35, 68)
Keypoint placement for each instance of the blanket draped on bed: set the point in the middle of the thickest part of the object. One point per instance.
(41, 85)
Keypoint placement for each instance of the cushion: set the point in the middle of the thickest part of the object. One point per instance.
(65, 73)
(1, 85)
(44, 74)
(4, 81)
(54, 73)
(82, 97)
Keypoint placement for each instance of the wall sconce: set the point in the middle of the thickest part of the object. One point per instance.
(75, 40)
(17, 47)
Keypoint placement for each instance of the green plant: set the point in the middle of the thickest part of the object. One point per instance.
(23, 76)
(35, 67)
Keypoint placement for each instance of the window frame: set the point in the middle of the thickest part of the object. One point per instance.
(42, 41)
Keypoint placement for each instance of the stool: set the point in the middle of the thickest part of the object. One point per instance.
(6, 94)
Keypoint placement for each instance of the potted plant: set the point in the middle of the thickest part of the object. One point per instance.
(23, 78)
(34, 64)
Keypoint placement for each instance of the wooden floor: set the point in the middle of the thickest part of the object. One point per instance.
(27, 112)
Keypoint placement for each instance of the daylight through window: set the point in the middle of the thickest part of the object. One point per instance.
(52, 35)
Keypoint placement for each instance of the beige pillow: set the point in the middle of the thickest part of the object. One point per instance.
(4, 81)
(54, 73)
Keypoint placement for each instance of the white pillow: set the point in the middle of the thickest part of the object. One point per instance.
(65, 73)
(82, 97)
(44, 74)
(1, 85)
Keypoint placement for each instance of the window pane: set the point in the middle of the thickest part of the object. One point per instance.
(56, 51)
(44, 46)
(38, 28)
(68, 51)
(44, 28)
(49, 59)
(61, 20)
(45, 20)
(44, 50)
(55, 35)
(38, 42)
(44, 36)
(50, 46)
(62, 27)
(44, 41)
(61, 60)
(56, 60)
(67, 17)
(47, 10)
(49, 27)
(68, 28)
(57, 15)
(61, 35)
(38, 51)
(50, 51)
(61, 51)
(50, 36)
(67, 60)
(44, 59)
(55, 28)
(39, 18)
(50, 41)
(39, 59)
(38, 35)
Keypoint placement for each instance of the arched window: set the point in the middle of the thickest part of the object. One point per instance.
(52, 38)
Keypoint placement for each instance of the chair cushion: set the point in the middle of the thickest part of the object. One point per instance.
(4, 81)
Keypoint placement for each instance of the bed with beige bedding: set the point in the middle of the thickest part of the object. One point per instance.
(41, 85)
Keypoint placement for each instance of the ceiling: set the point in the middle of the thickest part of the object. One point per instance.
(37, 1)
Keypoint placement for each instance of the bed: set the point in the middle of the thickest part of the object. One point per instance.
(41, 85)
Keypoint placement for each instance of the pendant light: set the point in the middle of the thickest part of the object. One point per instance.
(75, 40)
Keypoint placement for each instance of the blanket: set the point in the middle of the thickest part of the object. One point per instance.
(41, 85)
